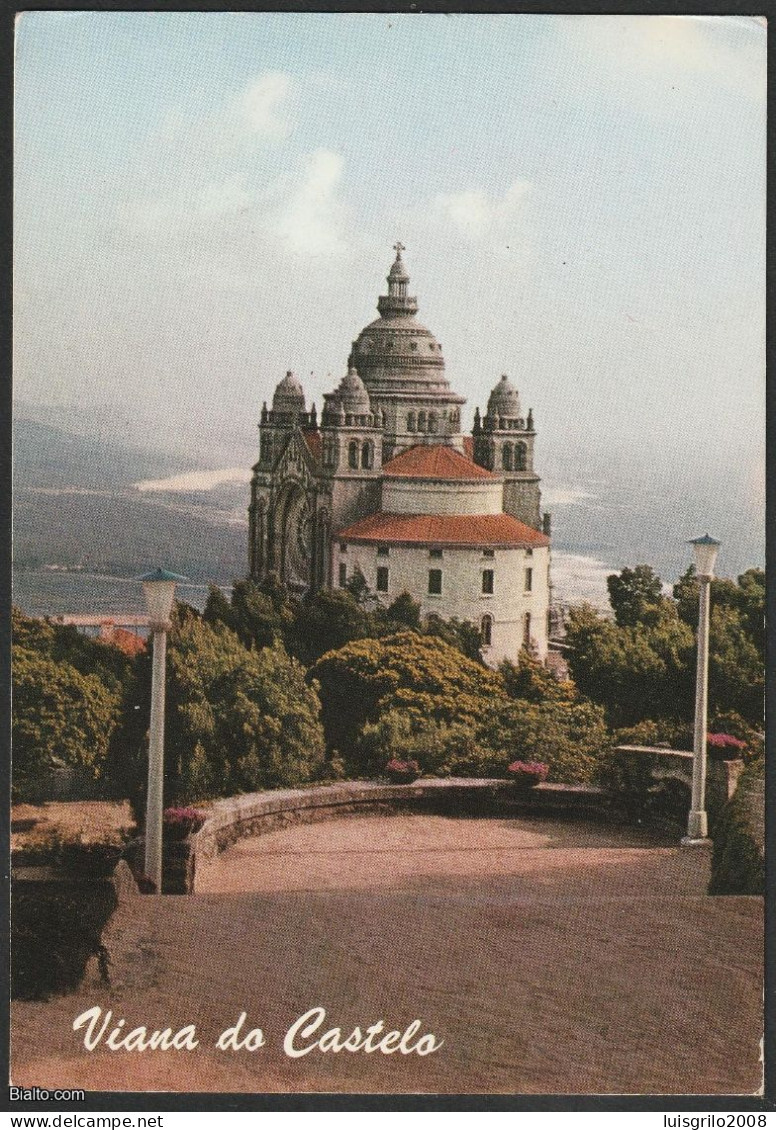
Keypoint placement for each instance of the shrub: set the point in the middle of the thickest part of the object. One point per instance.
(527, 774)
(570, 737)
(724, 746)
(419, 674)
(238, 719)
(178, 823)
(59, 716)
(738, 860)
(402, 772)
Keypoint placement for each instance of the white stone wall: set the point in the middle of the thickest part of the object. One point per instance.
(462, 595)
(424, 496)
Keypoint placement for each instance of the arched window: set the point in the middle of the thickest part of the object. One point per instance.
(506, 457)
(353, 454)
(486, 631)
(433, 423)
(411, 422)
(421, 421)
(366, 456)
(521, 452)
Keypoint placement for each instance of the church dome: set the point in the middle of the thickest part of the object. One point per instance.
(352, 394)
(289, 395)
(504, 401)
(395, 353)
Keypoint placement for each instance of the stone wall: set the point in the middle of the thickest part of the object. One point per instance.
(654, 784)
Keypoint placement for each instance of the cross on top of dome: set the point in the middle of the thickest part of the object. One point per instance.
(398, 272)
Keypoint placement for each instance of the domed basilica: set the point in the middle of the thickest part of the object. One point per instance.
(386, 484)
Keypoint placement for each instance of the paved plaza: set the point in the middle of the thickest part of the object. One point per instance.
(547, 956)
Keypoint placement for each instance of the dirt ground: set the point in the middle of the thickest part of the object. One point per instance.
(548, 957)
(88, 821)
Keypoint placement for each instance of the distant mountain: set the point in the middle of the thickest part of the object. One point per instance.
(45, 456)
(75, 506)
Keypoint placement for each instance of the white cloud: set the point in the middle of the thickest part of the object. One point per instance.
(312, 221)
(653, 55)
(479, 216)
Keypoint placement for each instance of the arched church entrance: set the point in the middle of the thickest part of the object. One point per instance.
(293, 532)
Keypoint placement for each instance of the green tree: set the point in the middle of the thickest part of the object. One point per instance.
(58, 715)
(259, 615)
(404, 611)
(632, 593)
(531, 681)
(326, 621)
(239, 719)
(407, 670)
(570, 737)
(635, 672)
(458, 633)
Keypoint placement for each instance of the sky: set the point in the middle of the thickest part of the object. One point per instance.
(205, 200)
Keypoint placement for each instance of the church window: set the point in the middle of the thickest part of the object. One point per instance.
(421, 421)
(366, 456)
(353, 454)
(488, 553)
(343, 575)
(529, 552)
(527, 629)
(435, 582)
(487, 582)
(486, 630)
(410, 421)
(382, 551)
(528, 580)
(382, 578)
(433, 423)
(343, 547)
(506, 457)
(413, 345)
(435, 553)
(520, 456)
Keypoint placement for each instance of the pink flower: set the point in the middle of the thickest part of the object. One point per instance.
(521, 770)
(725, 741)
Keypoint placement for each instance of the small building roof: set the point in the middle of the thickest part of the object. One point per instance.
(491, 531)
(435, 461)
(314, 441)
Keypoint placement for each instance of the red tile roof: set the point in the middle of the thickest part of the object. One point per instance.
(489, 530)
(468, 447)
(314, 441)
(437, 461)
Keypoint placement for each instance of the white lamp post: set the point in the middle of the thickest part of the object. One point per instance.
(159, 589)
(706, 550)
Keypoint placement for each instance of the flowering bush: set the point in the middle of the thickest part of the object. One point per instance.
(528, 774)
(181, 822)
(402, 772)
(724, 746)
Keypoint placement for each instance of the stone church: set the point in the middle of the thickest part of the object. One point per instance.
(386, 484)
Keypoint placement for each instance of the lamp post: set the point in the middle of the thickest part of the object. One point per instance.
(159, 590)
(706, 549)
